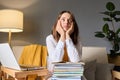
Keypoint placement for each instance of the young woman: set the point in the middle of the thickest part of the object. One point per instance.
(63, 43)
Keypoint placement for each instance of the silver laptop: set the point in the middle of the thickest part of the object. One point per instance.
(7, 59)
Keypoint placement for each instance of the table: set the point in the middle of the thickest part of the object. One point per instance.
(116, 72)
(116, 75)
(22, 75)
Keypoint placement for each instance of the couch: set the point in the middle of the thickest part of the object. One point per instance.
(97, 66)
(95, 58)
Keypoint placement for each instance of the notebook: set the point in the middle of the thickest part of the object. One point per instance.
(7, 59)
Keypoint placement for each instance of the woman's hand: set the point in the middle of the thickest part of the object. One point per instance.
(70, 30)
(59, 28)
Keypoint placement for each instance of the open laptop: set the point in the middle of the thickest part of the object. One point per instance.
(7, 59)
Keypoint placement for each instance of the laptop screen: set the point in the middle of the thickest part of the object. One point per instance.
(7, 57)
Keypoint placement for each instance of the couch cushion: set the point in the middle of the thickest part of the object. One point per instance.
(103, 71)
(90, 68)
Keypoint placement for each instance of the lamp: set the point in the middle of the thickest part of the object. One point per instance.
(11, 21)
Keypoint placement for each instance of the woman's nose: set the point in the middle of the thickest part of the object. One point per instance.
(66, 21)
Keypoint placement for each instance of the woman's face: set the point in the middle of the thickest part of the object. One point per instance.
(65, 21)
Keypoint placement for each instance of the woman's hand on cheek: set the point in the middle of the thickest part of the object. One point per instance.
(70, 30)
(59, 28)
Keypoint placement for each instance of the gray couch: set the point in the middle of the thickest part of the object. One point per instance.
(97, 66)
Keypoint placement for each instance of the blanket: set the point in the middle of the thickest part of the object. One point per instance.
(34, 55)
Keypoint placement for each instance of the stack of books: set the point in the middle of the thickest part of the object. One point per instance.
(68, 71)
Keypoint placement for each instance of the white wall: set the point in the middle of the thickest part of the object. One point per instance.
(39, 16)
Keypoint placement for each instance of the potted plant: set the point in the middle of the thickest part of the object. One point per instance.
(109, 31)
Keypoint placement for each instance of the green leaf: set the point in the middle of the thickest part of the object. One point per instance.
(116, 19)
(112, 14)
(117, 12)
(106, 13)
(99, 35)
(110, 6)
(106, 28)
(107, 19)
(118, 30)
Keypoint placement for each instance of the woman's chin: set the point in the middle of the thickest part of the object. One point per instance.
(65, 30)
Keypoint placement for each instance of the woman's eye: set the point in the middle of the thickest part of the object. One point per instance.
(70, 20)
(63, 19)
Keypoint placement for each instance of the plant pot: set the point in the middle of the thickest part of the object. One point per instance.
(114, 60)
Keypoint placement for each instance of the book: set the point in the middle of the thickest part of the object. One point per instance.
(68, 71)
(66, 78)
(68, 63)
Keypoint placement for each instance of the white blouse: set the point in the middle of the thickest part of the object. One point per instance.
(56, 51)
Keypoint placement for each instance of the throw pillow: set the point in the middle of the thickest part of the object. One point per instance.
(89, 70)
(103, 71)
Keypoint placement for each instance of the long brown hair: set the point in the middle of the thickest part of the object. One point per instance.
(75, 33)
